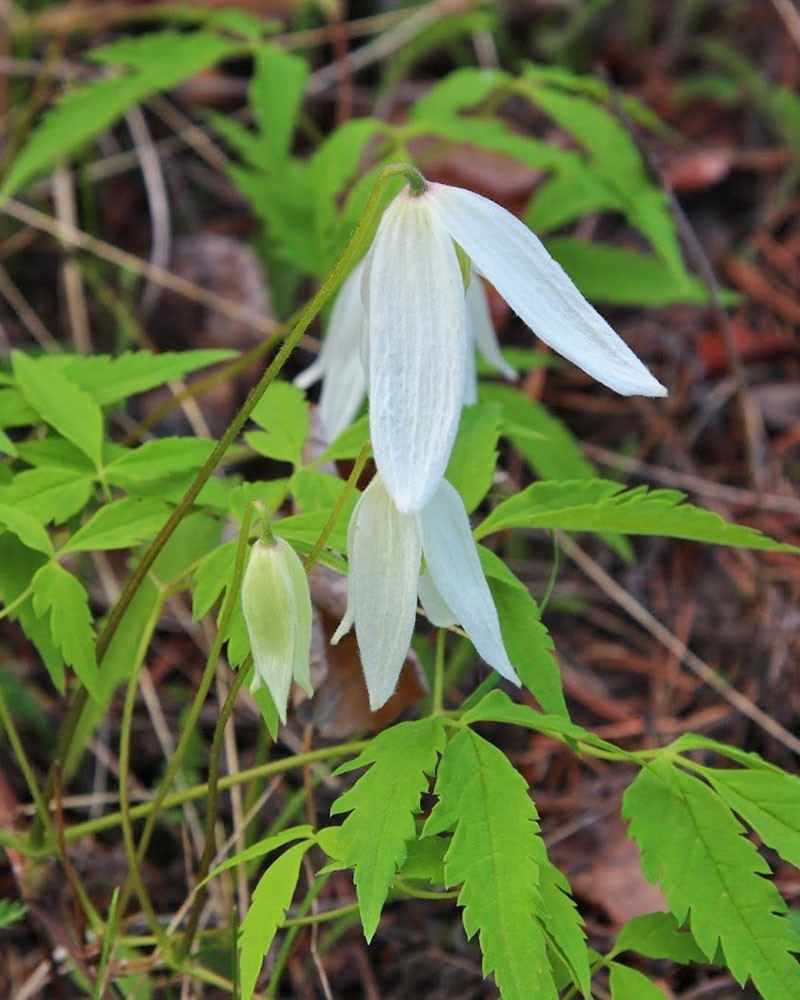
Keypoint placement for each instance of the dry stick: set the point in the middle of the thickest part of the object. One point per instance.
(751, 420)
(130, 262)
(790, 17)
(678, 649)
(77, 311)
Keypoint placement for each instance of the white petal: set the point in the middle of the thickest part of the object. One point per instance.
(431, 600)
(417, 348)
(481, 328)
(339, 363)
(507, 253)
(384, 553)
(455, 569)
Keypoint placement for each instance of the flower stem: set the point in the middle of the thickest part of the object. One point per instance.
(438, 673)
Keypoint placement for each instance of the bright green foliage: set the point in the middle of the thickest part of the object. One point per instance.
(382, 805)
(769, 801)
(601, 505)
(474, 455)
(157, 460)
(621, 277)
(58, 596)
(527, 641)
(120, 525)
(157, 61)
(658, 936)
(62, 404)
(282, 412)
(265, 846)
(11, 912)
(561, 922)
(712, 874)
(492, 856)
(49, 493)
(25, 527)
(212, 577)
(271, 899)
(630, 984)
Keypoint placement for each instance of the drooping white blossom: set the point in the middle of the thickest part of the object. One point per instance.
(277, 609)
(416, 321)
(385, 547)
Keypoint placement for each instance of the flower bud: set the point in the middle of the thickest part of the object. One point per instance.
(277, 609)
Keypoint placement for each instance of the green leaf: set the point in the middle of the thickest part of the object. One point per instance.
(58, 594)
(474, 455)
(212, 577)
(55, 450)
(160, 459)
(630, 984)
(303, 530)
(382, 805)
(769, 801)
(61, 404)
(158, 61)
(26, 528)
(527, 641)
(712, 874)
(602, 505)
(270, 901)
(425, 860)
(542, 439)
(561, 921)
(487, 805)
(121, 524)
(259, 849)
(283, 413)
(14, 411)
(276, 96)
(349, 443)
(313, 490)
(110, 380)
(658, 936)
(49, 493)
(11, 912)
(621, 277)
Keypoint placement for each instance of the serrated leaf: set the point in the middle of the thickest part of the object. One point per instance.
(59, 596)
(474, 455)
(283, 413)
(602, 505)
(658, 936)
(49, 493)
(110, 380)
(382, 805)
(713, 875)
(276, 95)
(158, 61)
(302, 530)
(314, 490)
(14, 410)
(212, 577)
(270, 901)
(769, 801)
(121, 524)
(527, 641)
(259, 849)
(425, 860)
(61, 403)
(630, 984)
(349, 443)
(55, 451)
(561, 921)
(157, 460)
(487, 805)
(26, 528)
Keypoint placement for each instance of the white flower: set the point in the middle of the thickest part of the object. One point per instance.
(277, 609)
(341, 366)
(384, 548)
(416, 317)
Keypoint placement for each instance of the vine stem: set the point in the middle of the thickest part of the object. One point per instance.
(438, 674)
(339, 506)
(354, 250)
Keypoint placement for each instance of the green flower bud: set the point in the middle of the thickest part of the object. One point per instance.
(277, 608)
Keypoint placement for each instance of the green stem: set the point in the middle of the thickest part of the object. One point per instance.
(7, 721)
(144, 809)
(210, 846)
(438, 674)
(190, 723)
(339, 506)
(9, 609)
(353, 252)
(134, 872)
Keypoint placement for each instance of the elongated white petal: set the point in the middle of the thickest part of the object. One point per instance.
(339, 363)
(302, 620)
(507, 253)
(432, 604)
(384, 553)
(455, 569)
(414, 298)
(481, 328)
